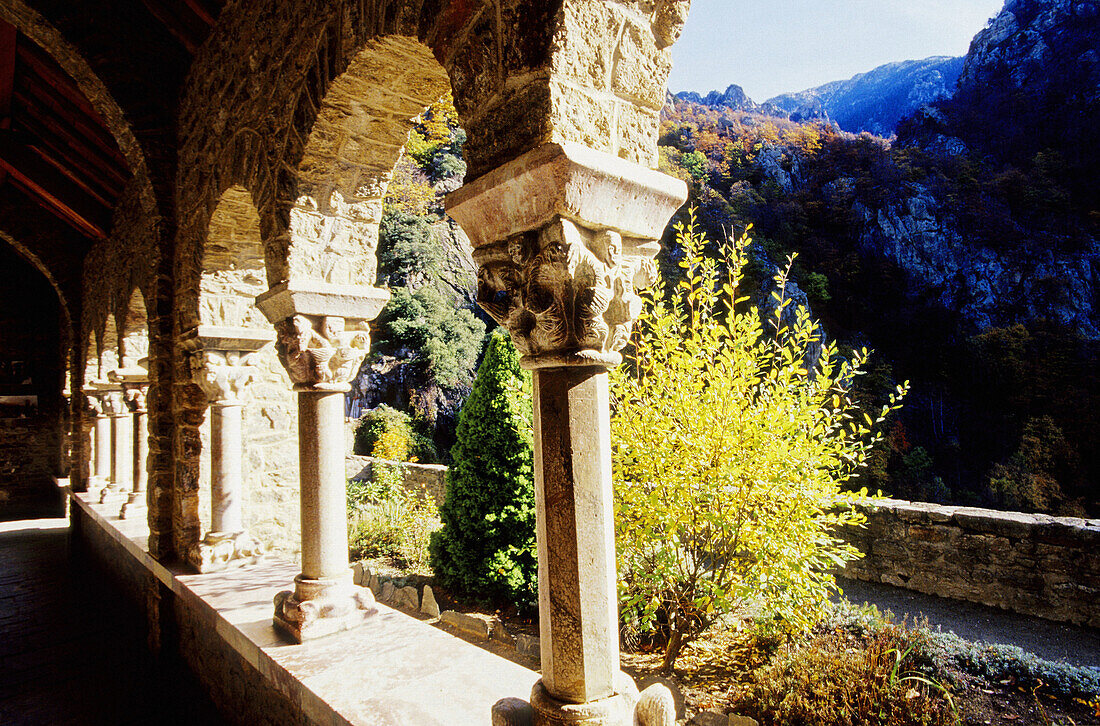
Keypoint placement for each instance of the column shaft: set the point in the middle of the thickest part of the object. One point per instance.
(226, 453)
(323, 484)
(122, 450)
(103, 448)
(578, 613)
(141, 450)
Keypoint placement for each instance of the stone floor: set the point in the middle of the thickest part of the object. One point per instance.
(71, 651)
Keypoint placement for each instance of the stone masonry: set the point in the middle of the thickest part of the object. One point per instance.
(1029, 563)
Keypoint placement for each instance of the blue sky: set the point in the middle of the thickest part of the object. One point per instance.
(773, 46)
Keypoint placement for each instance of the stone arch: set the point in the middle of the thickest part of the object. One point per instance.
(356, 140)
(232, 267)
(134, 343)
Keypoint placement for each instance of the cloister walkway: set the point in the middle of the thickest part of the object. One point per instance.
(71, 650)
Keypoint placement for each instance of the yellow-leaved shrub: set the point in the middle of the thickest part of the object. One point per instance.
(731, 449)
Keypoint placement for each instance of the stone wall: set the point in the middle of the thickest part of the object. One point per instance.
(1028, 563)
(430, 479)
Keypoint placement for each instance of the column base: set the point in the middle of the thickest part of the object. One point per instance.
(134, 503)
(220, 551)
(108, 492)
(318, 608)
(617, 710)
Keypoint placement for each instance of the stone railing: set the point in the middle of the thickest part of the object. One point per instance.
(431, 479)
(1034, 564)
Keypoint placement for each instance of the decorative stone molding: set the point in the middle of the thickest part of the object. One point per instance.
(317, 608)
(563, 236)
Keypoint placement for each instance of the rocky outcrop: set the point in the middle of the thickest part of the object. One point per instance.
(734, 98)
(1035, 44)
(986, 287)
(874, 101)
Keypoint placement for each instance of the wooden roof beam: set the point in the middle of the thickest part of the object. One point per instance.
(59, 193)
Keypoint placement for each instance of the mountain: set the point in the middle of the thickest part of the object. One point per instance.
(875, 101)
(734, 98)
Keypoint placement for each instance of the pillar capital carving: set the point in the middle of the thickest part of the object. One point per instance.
(318, 352)
(137, 395)
(563, 237)
(94, 404)
(222, 375)
(114, 403)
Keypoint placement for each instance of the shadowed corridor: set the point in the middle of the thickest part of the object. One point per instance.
(71, 650)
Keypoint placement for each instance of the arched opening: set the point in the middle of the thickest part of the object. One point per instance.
(135, 332)
(355, 142)
(231, 327)
(31, 404)
(109, 348)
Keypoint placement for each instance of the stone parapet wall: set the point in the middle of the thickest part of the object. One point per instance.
(1034, 564)
(431, 479)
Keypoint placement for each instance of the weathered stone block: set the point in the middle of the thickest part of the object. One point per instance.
(469, 624)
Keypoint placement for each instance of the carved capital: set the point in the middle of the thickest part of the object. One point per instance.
(94, 404)
(318, 352)
(223, 376)
(563, 237)
(114, 403)
(565, 292)
(137, 395)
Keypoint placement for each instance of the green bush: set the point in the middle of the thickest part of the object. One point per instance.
(486, 548)
(388, 433)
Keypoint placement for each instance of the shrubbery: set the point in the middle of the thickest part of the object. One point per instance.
(387, 433)
(486, 548)
(730, 452)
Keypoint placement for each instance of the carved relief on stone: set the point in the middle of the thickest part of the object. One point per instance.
(223, 376)
(95, 406)
(668, 21)
(566, 289)
(318, 351)
(222, 551)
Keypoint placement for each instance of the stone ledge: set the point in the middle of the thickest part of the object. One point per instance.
(393, 669)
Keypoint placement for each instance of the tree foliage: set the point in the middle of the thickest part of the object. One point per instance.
(426, 329)
(487, 545)
(731, 451)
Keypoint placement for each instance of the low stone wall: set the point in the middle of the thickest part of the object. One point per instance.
(1034, 564)
(431, 479)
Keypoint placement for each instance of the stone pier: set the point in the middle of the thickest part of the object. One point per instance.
(562, 236)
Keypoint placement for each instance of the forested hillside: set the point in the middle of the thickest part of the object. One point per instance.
(970, 263)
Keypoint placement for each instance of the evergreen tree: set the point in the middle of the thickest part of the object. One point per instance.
(486, 547)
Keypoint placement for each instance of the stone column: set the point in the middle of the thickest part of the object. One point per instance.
(137, 396)
(562, 237)
(100, 454)
(321, 341)
(224, 378)
(122, 445)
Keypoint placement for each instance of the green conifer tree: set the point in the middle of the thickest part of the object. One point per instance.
(486, 548)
